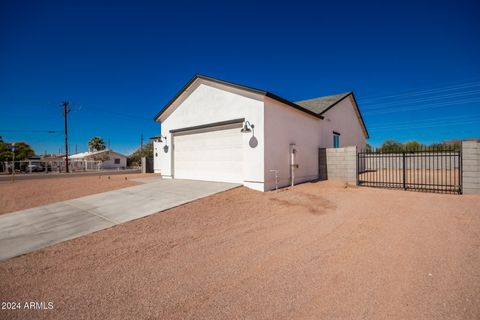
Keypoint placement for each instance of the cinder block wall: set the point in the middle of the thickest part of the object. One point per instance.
(471, 167)
(342, 164)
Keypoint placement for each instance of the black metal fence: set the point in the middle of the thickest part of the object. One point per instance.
(430, 169)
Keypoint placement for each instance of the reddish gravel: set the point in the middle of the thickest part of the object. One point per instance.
(24, 194)
(317, 251)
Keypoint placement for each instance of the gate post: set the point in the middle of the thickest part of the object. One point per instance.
(358, 164)
(470, 171)
(404, 173)
(144, 164)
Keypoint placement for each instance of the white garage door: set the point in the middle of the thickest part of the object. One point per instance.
(213, 155)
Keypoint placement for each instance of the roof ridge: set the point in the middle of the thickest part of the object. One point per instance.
(238, 86)
(330, 95)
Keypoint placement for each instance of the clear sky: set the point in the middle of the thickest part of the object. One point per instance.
(414, 66)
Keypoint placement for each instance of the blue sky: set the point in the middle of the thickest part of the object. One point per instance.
(414, 67)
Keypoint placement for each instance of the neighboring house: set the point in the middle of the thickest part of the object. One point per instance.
(109, 158)
(220, 131)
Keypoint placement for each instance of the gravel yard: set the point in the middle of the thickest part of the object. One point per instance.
(315, 251)
(24, 194)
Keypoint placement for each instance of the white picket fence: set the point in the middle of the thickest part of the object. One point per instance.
(32, 166)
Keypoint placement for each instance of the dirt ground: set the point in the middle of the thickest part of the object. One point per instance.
(24, 194)
(439, 179)
(317, 251)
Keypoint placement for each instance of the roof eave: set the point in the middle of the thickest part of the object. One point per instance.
(204, 77)
(175, 97)
(238, 86)
(292, 104)
(367, 135)
(336, 102)
(356, 106)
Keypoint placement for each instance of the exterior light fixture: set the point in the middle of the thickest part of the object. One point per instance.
(247, 127)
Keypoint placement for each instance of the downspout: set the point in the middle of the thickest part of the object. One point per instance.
(293, 165)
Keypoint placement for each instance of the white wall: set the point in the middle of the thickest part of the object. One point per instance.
(342, 118)
(158, 151)
(276, 127)
(284, 126)
(110, 163)
(206, 102)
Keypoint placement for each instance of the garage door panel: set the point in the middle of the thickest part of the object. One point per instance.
(215, 155)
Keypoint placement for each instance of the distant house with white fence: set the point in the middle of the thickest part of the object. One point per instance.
(106, 159)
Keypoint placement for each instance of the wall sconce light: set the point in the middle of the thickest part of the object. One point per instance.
(247, 127)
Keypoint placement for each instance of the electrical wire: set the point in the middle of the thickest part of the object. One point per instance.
(422, 91)
(421, 107)
(426, 99)
(391, 128)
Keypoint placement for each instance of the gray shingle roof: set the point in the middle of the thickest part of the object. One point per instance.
(322, 104)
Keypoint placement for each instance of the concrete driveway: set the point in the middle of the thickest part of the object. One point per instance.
(32, 229)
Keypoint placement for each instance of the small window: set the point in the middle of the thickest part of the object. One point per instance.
(336, 139)
(117, 161)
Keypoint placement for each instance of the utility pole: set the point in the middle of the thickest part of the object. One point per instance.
(13, 162)
(141, 141)
(76, 149)
(108, 143)
(66, 110)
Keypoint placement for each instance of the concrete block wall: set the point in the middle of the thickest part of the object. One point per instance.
(471, 167)
(342, 164)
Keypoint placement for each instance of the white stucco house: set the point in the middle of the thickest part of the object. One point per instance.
(108, 159)
(216, 130)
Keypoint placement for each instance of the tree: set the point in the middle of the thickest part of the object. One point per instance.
(96, 144)
(446, 145)
(368, 147)
(391, 146)
(412, 145)
(452, 145)
(21, 153)
(135, 157)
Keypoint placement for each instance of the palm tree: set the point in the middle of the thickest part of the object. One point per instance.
(96, 144)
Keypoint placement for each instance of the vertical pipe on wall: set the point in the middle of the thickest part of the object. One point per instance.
(292, 163)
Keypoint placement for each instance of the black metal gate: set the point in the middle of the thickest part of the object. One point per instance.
(436, 169)
(149, 165)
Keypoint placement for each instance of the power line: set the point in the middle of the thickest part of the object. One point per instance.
(424, 124)
(37, 131)
(436, 119)
(423, 91)
(421, 107)
(43, 141)
(426, 99)
(427, 126)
